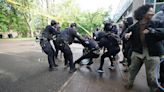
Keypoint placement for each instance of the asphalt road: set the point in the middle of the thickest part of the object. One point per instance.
(24, 68)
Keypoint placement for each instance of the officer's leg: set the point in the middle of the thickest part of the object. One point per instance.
(68, 54)
(150, 65)
(88, 55)
(90, 61)
(113, 53)
(91, 58)
(102, 60)
(92, 55)
(54, 53)
(49, 51)
(110, 57)
(50, 60)
(65, 59)
(57, 51)
(111, 60)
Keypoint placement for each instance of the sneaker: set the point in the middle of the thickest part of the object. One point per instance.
(111, 67)
(55, 65)
(125, 64)
(122, 61)
(72, 70)
(100, 71)
(66, 66)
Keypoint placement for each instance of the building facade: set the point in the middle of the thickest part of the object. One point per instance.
(156, 3)
(127, 7)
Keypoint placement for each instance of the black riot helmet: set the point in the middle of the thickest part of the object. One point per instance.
(73, 25)
(53, 22)
(100, 35)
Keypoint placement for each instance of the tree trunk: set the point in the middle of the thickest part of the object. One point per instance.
(31, 30)
(29, 23)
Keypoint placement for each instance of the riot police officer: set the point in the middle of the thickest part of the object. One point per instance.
(112, 48)
(45, 42)
(66, 38)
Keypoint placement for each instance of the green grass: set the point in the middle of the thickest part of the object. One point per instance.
(16, 39)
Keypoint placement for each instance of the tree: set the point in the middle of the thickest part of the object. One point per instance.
(69, 12)
(26, 10)
(91, 20)
(10, 19)
(66, 11)
(26, 16)
(7, 16)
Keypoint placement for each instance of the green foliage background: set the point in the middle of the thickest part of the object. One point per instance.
(28, 16)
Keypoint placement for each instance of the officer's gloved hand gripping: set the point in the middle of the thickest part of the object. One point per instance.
(80, 39)
(54, 37)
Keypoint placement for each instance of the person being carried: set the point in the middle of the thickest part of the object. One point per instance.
(90, 51)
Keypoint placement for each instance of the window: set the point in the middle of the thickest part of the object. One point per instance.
(160, 0)
(149, 1)
(158, 7)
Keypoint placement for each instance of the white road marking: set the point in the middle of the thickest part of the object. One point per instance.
(66, 83)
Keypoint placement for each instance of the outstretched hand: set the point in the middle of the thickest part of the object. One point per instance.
(146, 31)
(127, 35)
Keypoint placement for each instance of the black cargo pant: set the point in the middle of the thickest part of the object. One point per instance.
(47, 48)
(90, 55)
(127, 51)
(68, 56)
(112, 52)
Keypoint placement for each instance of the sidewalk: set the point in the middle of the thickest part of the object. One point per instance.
(85, 80)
